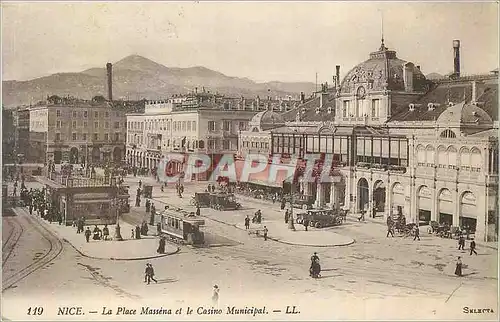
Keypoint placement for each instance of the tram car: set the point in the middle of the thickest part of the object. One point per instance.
(182, 228)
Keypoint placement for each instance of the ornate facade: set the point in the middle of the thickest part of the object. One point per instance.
(400, 141)
(78, 131)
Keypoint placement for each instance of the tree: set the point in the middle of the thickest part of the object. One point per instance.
(54, 99)
(98, 99)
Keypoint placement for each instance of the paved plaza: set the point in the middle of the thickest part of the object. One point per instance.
(358, 279)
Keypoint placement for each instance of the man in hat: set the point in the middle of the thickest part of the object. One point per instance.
(473, 247)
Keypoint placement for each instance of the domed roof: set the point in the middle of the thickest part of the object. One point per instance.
(464, 113)
(266, 120)
(383, 70)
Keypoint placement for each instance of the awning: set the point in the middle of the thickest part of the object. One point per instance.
(83, 201)
(263, 177)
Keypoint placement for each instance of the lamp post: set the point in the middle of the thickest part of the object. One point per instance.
(118, 235)
(290, 220)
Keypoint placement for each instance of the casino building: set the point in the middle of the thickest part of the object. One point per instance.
(400, 141)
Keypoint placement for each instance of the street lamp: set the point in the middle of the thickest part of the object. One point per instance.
(290, 220)
(118, 235)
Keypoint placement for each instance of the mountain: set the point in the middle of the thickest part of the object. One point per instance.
(136, 77)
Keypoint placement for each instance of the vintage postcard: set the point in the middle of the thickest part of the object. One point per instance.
(249, 161)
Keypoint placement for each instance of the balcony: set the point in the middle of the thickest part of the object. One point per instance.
(154, 148)
(229, 134)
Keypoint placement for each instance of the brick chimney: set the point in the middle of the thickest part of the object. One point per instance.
(456, 58)
(337, 75)
(408, 76)
(109, 70)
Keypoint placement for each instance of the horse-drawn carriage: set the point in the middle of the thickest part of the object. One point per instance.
(445, 230)
(320, 218)
(200, 199)
(182, 228)
(224, 201)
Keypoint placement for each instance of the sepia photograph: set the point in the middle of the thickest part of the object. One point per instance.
(249, 160)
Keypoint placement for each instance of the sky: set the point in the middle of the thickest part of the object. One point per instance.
(266, 41)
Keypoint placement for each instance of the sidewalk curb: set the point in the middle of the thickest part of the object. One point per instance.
(488, 246)
(121, 259)
(101, 258)
(281, 241)
(307, 245)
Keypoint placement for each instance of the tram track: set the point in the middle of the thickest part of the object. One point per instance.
(10, 243)
(55, 249)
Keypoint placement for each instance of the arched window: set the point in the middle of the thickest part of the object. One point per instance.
(448, 134)
(464, 159)
(442, 157)
(452, 157)
(429, 155)
(475, 159)
(420, 155)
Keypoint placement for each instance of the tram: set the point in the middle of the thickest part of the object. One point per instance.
(182, 228)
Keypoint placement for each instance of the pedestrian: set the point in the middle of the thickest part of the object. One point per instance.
(417, 233)
(133, 234)
(287, 215)
(198, 211)
(105, 232)
(87, 234)
(473, 247)
(161, 246)
(247, 222)
(458, 269)
(137, 232)
(215, 296)
(283, 204)
(390, 230)
(140, 183)
(461, 242)
(274, 199)
(362, 215)
(146, 274)
(148, 206)
(265, 232)
(305, 223)
(151, 274)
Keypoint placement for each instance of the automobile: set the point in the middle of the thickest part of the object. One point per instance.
(320, 218)
(301, 201)
(224, 201)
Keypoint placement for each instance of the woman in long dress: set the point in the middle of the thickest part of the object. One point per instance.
(458, 269)
(215, 296)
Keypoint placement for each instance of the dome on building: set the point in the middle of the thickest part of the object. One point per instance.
(266, 120)
(464, 113)
(383, 70)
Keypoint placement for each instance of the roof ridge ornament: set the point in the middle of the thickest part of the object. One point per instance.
(382, 45)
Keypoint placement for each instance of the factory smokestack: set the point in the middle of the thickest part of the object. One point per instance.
(337, 75)
(456, 58)
(109, 69)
